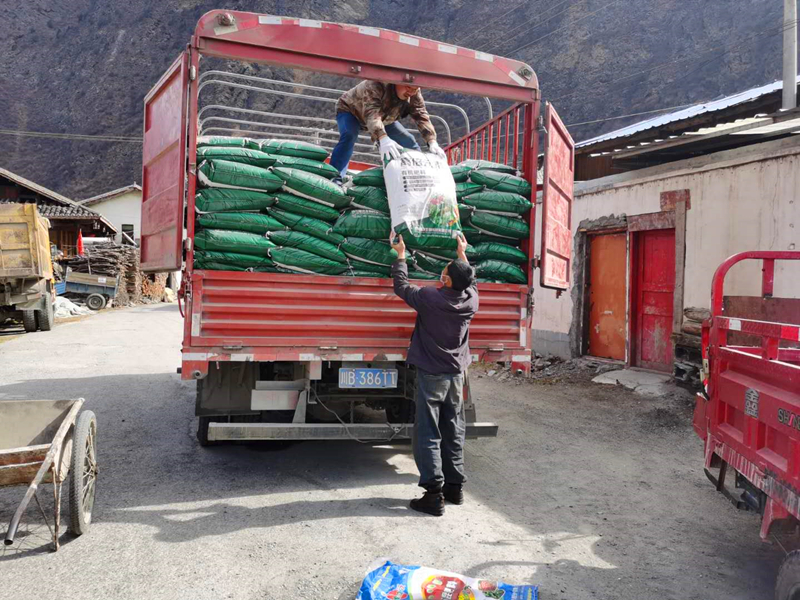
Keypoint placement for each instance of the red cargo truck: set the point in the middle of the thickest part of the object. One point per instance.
(284, 356)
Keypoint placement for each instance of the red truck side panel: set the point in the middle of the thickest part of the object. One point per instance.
(163, 169)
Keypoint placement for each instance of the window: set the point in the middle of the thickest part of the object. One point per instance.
(127, 235)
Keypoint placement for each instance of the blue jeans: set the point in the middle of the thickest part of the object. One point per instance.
(439, 430)
(349, 128)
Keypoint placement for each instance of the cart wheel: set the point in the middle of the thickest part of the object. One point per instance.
(83, 473)
(45, 316)
(788, 585)
(96, 301)
(29, 320)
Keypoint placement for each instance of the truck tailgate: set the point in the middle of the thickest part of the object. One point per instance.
(291, 315)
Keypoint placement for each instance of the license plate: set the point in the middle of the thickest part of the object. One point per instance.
(367, 378)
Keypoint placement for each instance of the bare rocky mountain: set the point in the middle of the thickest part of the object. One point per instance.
(84, 66)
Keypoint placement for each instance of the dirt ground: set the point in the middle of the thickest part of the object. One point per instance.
(588, 491)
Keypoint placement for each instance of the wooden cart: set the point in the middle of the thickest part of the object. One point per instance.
(48, 441)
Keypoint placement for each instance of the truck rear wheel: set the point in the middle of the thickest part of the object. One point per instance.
(45, 316)
(788, 584)
(29, 320)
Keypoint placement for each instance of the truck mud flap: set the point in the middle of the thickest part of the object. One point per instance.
(230, 432)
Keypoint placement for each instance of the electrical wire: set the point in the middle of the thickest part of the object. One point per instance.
(71, 136)
(395, 430)
(730, 47)
(490, 24)
(647, 112)
(508, 39)
(566, 26)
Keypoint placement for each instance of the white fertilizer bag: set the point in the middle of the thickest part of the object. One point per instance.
(422, 200)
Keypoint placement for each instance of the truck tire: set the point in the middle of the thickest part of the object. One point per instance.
(45, 316)
(96, 301)
(29, 320)
(788, 584)
(202, 431)
(400, 411)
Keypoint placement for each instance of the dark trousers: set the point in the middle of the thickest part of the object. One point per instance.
(349, 128)
(439, 430)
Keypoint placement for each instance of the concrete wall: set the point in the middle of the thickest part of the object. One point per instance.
(744, 199)
(123, 209)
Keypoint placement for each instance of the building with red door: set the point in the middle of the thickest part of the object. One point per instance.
(658, 206)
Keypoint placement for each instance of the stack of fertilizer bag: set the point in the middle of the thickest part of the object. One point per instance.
(431, 203)
(492, 200)
(269, 206)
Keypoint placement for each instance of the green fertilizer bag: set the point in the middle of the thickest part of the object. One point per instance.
(499, 225)
(298, 149)
(422, 198)
(309, 225)
(227, 174)
(224, 200)
(209, 265)
(312, 187)
(245, 261)
(239, 155)
(500, 203)
(371, 177)
(300, 261)
(497, 270)
(460, 173)
(464, 213)
(487, 165)
(308, 243)
(369, 224)
(307, 164)
(373, 198)
(222, 140)
(353, 272)
(502, 182)
(476, 237)
(252, 222)
(240, 242)
(429, 263)
(495, 251)
(307, 208)
(465, 189)
(369, 251)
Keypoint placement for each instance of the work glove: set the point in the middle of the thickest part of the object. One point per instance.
(389, 150)
(437, 150)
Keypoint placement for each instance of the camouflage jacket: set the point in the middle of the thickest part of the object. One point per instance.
(376, 104)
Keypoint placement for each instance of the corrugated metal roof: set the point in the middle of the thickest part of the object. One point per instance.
(686, 113)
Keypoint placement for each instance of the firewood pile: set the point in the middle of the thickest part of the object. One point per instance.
(113, 259)
(153, 286)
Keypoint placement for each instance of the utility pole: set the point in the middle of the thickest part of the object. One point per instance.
(789, 54)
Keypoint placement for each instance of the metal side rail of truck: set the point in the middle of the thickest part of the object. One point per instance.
(297, 356)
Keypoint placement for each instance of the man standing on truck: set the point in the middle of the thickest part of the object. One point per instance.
(378, 108)
(440, 352)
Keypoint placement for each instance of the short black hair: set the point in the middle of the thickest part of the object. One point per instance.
(461, 274)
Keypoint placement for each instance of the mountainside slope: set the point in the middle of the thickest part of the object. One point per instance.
(84, 66)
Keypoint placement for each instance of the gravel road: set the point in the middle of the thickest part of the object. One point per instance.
(589, 492)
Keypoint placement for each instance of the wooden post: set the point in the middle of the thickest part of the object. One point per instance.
(680, 265)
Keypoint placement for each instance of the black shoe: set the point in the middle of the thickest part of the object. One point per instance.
(453, 493)
(431, 503)
(338, 181)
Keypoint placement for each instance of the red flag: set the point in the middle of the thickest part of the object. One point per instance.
(80, 243)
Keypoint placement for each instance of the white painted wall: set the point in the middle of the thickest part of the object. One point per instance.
(123, 209)
(745, 199)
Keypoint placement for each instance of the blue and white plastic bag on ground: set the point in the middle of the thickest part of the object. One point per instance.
(422, 196)
(387, 580)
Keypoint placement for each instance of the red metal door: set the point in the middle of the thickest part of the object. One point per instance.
(557, 194)
(654, 285)
(164, 169)
(607, 295)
